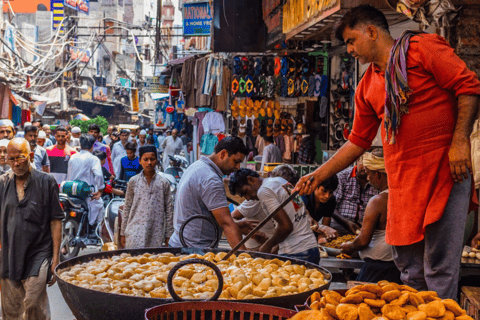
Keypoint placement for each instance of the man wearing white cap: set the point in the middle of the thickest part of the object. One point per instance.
(75, 139)
(21, 134)
(7, 129)
(142, 139)
(48, 131)
(41, 138)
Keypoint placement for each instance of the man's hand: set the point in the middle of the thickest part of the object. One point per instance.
(55, 262)
(246, 225)
(352, 226)
(330, 233)
(347, 248)
(306, 186)
(122, 242)
(96, 195)
(266, 248)
(476, 241)
(460, 159)
(260, 237)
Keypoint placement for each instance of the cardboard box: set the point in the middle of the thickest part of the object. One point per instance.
(470, 301)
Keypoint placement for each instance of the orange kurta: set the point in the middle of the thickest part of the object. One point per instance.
(417, 165)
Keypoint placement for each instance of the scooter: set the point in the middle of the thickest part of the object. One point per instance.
(114, 200)
(77, 232)
(176, 167)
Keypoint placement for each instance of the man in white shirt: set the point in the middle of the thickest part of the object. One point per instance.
(292, 232)
(75, 139)
(172, 145)
(119, 151)
(271, 153)
(84, 166)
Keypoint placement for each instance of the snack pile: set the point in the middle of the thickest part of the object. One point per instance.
(335, 244)
(146, 276)
(382, 301)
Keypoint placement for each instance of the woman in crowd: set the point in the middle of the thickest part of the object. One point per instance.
(148, 213)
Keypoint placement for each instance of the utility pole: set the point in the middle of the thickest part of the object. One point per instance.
(158, 34)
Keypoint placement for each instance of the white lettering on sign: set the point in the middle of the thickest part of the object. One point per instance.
(197, 13)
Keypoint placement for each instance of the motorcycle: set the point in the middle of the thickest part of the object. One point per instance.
(177, 165)
(77, 232)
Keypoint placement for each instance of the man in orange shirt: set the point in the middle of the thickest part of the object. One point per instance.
(427, 100)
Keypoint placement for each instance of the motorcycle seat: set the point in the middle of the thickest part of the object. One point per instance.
(80, 203)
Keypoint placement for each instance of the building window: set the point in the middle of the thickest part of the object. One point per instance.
(120, 3)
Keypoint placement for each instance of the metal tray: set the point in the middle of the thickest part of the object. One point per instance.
(87, 304)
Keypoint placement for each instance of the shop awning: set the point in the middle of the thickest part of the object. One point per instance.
(319, 25)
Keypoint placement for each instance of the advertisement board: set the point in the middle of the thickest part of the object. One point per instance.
(155, 85)
(134, 99)
(197, 19)
(79, 5)
(82, 54)
(100, 94)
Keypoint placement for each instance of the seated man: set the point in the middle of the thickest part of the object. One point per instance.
(321, 205)
(292, 232)
(376, 253)
(352, 196)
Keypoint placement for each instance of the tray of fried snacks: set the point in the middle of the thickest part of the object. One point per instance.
(470, 256)
(381, 301)
(333, 247)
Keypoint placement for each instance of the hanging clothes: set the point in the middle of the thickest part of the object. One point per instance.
(199, 116)
(208, 143)
(188, 82)
(6, 111)
(201, 100)
(222, 101)
(26, 116)
(213, 123)
(279, 142)
(17, 115)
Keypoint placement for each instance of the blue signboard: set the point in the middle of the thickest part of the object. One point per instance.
(197, 19)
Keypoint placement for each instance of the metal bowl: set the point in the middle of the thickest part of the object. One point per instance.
(87, 304)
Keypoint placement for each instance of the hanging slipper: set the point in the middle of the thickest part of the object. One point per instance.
(235, 86)
(284, 69)
(237, 66)
(264, 65)
(278, 87)
(339, 132)
(242, 87)
(323, 107)
(318, 84)
(277, 66)
(291, 67)
(244, 66)
(263, 109)
(338, 109)
(304, 86)
(249, 86)
(251, 67)
(291, 87)
(258, 66)
(249, 129)
(324, 86)
(284, 87)
(250, 107)
(346, 110)
(269, 87)
(256, 87)
(311, 86)
(262, 88)
(271, 66)
(298, 86)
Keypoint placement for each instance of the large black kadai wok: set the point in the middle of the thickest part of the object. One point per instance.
(87, 304)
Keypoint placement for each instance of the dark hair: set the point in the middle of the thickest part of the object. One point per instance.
(150, 138)
(95, 127)
(239, 178)
(114, 129)
(39, 121)
(147, 149)
(87, 141)
(124, 131)
(233, 145)
(131, 146)
(100, 154)
(331, 183)
(183, 131)
(30, 129)
(268, 139)
(365, 14)
(61, 128)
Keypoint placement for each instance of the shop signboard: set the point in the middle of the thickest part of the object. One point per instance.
(298, 12)
(197, 19)
(57, 7)
(79, 5)
(134, 99)
(155, 85)
(100, 94)
(87, 95)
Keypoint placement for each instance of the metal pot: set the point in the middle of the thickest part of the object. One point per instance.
(87, 304)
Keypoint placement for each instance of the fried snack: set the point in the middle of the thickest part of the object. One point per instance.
(364, 312)
(428, 296)
(416, 315)
(377, 303)
(244, 277)
(452, 305)
(393, 312)
(415, 300)
(434, 309)
(464, 317)
(307, 315)
(401, 300)
(409, 308)
(347, 311)
(391, 295)
(353, 298)
(449, 315)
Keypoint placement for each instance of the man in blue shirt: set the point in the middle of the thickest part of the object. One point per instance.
(130, 165)
(155, 138)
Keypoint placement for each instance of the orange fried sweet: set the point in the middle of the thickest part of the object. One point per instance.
(365, 312)
(347, 311)
(452, 305)
(393, 312)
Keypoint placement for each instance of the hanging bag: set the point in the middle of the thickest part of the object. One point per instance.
(170, 108)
